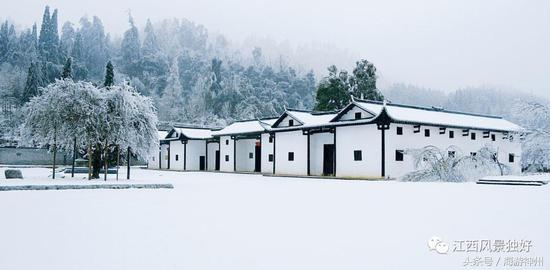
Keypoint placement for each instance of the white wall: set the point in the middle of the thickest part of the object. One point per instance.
(285, 122)
(350, 115)
(267, 149)
(244, 148)
(291, 141)
(317, 142)
(195, 149)
(164, 155)
(153, 160)
(226, 150)
(176, 149)
(212, 148)
(359, 137)
(411, 140)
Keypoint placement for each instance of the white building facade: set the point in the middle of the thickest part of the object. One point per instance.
(366, 139)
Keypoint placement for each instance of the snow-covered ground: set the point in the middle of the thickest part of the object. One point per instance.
(235, 221)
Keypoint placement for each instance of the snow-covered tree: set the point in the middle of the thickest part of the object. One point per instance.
(451, 165)
(99, 118)
(171, 103)
(535, 117)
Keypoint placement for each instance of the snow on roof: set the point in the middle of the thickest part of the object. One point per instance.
(248, 126)
(162, 134)
(436, 116)
(194, 133)
(310, 118)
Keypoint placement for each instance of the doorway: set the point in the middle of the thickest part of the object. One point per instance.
(328, 159)
(258, 160)
(217, 164)
(202, 163)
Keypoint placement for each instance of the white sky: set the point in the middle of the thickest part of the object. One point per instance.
(432, 43)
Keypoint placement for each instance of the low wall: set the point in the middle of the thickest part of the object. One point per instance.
(41, 156)
(31, 156)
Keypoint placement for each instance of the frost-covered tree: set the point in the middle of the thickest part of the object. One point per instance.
(171, 103)
(451, 165)
(535, 117)
(67, 69)
(130, 49)
(99, 117)
(34, 81)
(109, 75)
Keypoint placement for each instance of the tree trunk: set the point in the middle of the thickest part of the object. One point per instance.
(74, 157)
(117, 160)
(54, 153)
(96, 163)
(128, 161)
(89, 162)
(106, 161)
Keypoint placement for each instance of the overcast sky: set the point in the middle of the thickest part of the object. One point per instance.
(434, 43)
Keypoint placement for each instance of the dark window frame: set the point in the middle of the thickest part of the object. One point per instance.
(250, 155)
(399, 130)
(427, 132)
(177, 157)
(451, 134)
(473, 136)
(270, 158)
(399, 155)
(511, 157)
(226, 158)
(226, 142)
(290, 156)
(291, 122)
(493, 137)
(357, 155)
(357, 115)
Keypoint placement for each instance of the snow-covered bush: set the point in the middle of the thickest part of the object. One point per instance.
(535, 117)
(451, 165)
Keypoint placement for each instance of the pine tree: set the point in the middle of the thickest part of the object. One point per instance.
(150, 44)
(363, 81)
(34, 80)
(333, 91)
(109, 75)
(45, 29)
(130, 49)
(67, 69)
(171, 103)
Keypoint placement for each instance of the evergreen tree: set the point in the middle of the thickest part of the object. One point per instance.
(150, 44)
(45, 29)
(363, 81)
(67, 69)
(34, 81)
(171, 103)
(333, 91)
(109, 75)
(130, 49)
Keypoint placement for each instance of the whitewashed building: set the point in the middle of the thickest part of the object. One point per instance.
(154, 161)
(366, 139)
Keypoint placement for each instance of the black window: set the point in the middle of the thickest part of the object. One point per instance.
(290, 122)
(226, 157)
(358, 115)
(493, 137)
(473, 136)
(226, 142)
(451, 134)
(270, 158)
(451, 154)
(399, 130)
(398, 155)
(270, 139)
(153, 158)
(357, 155)
(511, 157)
(177, 157)
(427, 133)
(473, 154)
(290, 156)
(250, 155)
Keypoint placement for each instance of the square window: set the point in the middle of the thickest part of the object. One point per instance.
(226, 142)
(270, 139)
(250, 155)
(177, 157)
(473, 135)
(451, 134)
(358, 115)
(427, 133)
(511, 157)
(451, 154)
(357, 155)
(398, 155)
(493, 137)
(290, 156)
(270, 158)
(226, 157)
(290, 122)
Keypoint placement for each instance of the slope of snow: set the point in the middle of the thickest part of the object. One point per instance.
(236, 221)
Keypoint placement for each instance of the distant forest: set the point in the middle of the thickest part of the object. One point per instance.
(192, 76)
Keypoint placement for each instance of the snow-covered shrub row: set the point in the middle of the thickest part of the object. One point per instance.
(438, 165)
